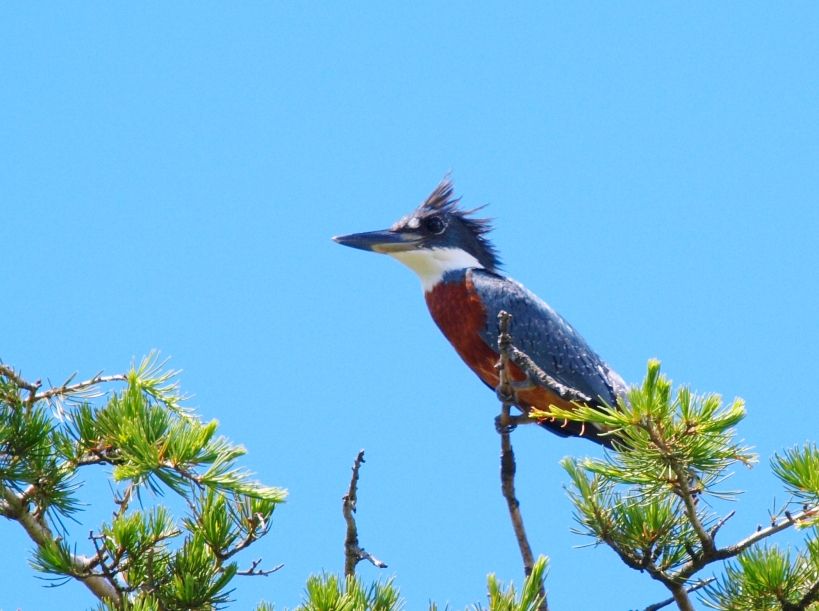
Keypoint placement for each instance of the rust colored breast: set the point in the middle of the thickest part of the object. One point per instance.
(460, 316)
(459, 313)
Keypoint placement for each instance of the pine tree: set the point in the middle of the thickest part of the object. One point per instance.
(50, 439)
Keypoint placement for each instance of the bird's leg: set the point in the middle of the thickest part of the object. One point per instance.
(507, 391)
(504, 422)
(521, 385)
(506, 394)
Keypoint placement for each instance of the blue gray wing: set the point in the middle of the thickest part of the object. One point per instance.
(539, 331)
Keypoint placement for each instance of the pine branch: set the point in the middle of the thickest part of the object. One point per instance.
(18, 380)
(251, 537)
(144, 433)
(67, 389)
(21, 383)
(811, 596)
(39, 532)
(717, 554)
(693, 588)
(783, 524)
(108, 569)
(683, 490)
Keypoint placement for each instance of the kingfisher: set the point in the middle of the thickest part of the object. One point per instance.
(448, 248)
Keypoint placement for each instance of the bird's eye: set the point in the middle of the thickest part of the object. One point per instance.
(434, 224)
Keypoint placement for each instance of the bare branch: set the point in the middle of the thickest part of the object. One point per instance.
(99, 560)
(790, 519)
(508, 466)
(18, 380)
(123, 500)
(70, 389)
(254, 571)
(353, 553)
(258, 528)
(721, 523)
(66, 389)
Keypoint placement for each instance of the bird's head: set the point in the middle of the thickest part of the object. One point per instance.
(437, 237)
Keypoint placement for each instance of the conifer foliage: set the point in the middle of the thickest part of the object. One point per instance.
(135, 426)
(656, 499)
(652, 499)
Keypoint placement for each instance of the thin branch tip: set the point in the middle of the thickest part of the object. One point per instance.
(508, 467)
(353, 552)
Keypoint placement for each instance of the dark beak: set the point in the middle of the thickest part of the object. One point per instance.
(385, 241)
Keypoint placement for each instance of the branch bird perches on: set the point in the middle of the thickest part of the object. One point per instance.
(506, 392)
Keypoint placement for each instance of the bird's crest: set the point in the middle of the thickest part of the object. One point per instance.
(443, 202)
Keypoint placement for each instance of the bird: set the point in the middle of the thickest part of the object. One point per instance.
(464, 288)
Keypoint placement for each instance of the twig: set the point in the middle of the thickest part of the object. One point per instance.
(508, 465)
(99, 559)
(69, 389)
(257, 528)
(688, 590)
(708, 551)
(254, 571)
(122, 500)
(786, 522)
(64, 389)
(353, 553)
(721, 523)
(18, 380)
(708, 556)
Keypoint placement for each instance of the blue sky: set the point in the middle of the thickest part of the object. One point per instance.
(171, 175)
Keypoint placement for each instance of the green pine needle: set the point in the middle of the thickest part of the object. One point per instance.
(798, 468)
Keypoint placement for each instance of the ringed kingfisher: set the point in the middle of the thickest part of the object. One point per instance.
(465, 291)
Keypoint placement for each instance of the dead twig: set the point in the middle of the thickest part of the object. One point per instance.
(66, 389)
(18, 380)
(713, 532)
(353, 552)
(71, 389)
(255, 571)
(21, 383)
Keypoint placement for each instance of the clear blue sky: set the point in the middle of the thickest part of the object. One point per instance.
(171, 175)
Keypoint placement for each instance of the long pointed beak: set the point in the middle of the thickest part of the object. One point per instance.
(384, 241)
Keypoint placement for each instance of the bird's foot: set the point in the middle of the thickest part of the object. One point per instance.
(506, 423)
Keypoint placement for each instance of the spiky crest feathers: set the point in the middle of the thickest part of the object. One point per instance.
(442, 202)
